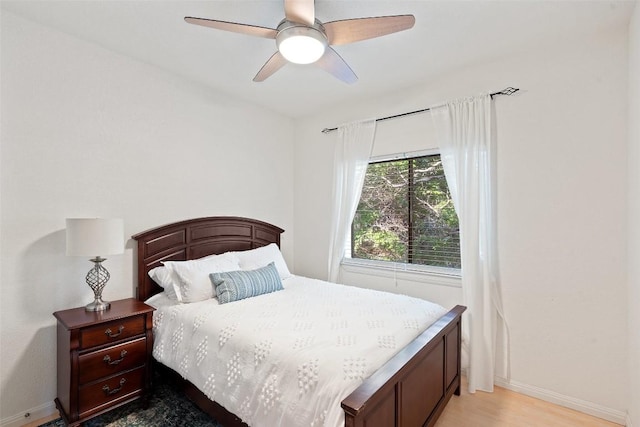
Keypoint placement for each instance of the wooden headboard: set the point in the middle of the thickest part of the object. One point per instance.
(195, 238)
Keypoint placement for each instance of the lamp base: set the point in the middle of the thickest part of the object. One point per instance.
(97, 279)
(97, 305)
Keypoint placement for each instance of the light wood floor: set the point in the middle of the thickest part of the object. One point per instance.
(36, 423)
(505, 408)
(502, 408)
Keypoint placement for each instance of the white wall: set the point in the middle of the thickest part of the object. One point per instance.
(634, 214)
(86, 132)
(562, 211)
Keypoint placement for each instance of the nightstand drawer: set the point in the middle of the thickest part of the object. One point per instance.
(114, 359)
(94, 396)
(107, 333)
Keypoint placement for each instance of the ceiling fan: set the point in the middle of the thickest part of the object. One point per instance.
(303, 39)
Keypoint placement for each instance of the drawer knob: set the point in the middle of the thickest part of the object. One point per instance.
(110, 392)
(110, 333)
(107, 358)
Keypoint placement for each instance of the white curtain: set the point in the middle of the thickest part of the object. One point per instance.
(355, 143)
(466, 148)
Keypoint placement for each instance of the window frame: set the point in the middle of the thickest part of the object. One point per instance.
(444, 275)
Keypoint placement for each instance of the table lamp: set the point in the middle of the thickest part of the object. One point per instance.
(95, 237)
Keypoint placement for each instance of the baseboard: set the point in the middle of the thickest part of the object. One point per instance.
(580, 405)
(36, 413)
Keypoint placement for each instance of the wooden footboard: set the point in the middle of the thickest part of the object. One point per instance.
(413, 387)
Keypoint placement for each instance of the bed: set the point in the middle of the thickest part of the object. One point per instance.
(410, 389)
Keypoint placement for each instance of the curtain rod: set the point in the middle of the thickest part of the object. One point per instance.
(508, 92)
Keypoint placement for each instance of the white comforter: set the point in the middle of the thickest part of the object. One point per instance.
(290, 357)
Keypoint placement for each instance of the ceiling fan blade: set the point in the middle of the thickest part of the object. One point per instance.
(333, 64)
(274, 63)
(251, 30)
(300, 11)
(354, 30)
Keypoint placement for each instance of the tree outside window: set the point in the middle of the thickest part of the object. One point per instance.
(406, 214)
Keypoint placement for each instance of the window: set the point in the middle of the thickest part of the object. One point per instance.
(406, 214)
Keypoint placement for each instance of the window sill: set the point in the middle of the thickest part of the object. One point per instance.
(411, 272)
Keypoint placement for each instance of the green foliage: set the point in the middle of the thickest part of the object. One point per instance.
(381, 244)
(406, 214)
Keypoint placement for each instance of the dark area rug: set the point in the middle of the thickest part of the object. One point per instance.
(167, 408)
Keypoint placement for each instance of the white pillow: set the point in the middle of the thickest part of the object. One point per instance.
(260, 257)
(167, 279)
(194, 283)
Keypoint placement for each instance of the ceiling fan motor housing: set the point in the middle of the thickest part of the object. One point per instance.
(301, 44)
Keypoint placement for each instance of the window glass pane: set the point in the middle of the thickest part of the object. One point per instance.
(435, 234)
(380, 226)
(406, 215)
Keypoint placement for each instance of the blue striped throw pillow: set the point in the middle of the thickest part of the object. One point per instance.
(236, 285)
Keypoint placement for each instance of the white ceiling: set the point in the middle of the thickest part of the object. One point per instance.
(447, 35)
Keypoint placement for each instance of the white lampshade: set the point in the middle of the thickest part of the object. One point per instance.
(95, 236)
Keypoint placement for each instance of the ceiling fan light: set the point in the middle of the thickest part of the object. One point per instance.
(301, 45)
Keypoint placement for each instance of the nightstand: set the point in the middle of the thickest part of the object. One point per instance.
(104, 358)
